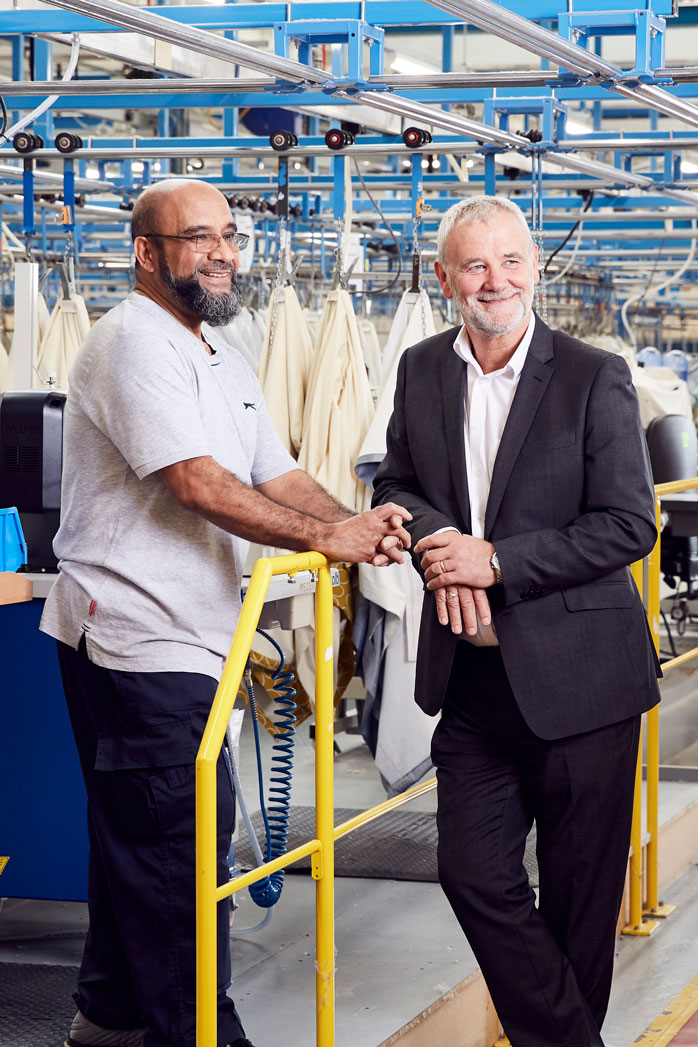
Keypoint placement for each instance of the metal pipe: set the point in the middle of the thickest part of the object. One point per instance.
(439, 118)
(492, 18)
(7, 171)
(202, 41)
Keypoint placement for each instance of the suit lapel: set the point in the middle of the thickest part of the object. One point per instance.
(452, 399)
(535, 375)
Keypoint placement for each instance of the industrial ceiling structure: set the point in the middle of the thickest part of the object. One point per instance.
(341, 132)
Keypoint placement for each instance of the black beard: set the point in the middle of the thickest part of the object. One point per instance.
(214, 309)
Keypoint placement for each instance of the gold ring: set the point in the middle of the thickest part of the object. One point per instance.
(443, 569)
(450, 595)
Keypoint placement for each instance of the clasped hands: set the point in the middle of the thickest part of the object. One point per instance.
(457, 568)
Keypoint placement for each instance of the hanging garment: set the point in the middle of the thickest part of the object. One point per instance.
(373, 357)
(68, 327)
(402, 732)
(413, 322)
(660, 392)
(339, 408)
(284, 366)
(43, 320)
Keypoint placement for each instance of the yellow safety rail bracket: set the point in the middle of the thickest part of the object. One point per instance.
(208, 893)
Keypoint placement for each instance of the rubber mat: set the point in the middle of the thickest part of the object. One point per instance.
(399, 846)
(36, 1004)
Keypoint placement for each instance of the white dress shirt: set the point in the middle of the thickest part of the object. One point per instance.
(488, 400)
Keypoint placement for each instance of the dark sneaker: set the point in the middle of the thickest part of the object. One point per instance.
(84, 1033)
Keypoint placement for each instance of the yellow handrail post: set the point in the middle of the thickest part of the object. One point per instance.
(653, 561)
(324, 809)
(206, 760)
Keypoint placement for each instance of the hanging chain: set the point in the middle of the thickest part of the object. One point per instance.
(541, 292)
(280, 270)
(341, 278)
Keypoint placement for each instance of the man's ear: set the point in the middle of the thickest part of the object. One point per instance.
(442, 277)
(145, 253)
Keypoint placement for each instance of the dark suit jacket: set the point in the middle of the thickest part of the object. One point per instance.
(570, 506)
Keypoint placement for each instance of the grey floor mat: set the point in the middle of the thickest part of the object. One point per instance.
(36, 1004)
(399, 846)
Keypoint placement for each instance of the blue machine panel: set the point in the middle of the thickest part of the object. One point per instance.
(43, 828)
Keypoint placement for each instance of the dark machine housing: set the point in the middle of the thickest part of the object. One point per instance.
(31, 462)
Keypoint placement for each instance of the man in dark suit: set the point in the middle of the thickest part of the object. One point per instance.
(520, 454)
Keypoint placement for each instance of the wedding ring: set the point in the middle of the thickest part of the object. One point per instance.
(443, 569)
(451, 595)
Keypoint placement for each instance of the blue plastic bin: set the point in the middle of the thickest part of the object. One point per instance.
(13, 548)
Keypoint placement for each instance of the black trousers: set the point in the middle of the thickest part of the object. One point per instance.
(137, 736)
(548, 966)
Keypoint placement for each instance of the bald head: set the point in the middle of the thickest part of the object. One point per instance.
(160, 205)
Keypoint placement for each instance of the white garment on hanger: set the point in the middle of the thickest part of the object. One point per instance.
(284, 366)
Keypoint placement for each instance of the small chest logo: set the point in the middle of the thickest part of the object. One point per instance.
(246, 405)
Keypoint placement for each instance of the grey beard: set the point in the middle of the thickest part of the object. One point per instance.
(214, 309)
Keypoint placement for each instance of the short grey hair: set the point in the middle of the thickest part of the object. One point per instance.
(477, 209)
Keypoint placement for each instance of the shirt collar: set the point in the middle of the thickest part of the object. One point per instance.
(513, 367)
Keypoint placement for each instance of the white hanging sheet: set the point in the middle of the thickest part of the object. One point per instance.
(43, 320)
(67, 329)
(284, 366)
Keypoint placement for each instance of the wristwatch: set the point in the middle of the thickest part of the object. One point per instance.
(495, 565)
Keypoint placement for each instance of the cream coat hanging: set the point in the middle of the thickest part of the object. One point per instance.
(68, 328)
(43, 322)
(284, 366)
(339, 407)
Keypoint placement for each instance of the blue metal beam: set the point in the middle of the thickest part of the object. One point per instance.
(258, 16)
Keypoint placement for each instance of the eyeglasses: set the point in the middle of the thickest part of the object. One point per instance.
(206, 242)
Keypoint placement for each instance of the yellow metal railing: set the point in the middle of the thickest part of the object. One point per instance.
(640, 916)
(321, 849)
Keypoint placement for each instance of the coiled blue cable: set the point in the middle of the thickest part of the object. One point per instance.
(277, 812)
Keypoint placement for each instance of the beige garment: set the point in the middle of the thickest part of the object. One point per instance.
(43, 320)
(4, 369)
(67, 329)
(372, 350)
(284, 366)
(339, 407)
(660, 392)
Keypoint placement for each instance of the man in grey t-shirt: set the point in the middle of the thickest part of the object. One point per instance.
(171, 466)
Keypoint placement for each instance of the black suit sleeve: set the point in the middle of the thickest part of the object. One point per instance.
(617, 524)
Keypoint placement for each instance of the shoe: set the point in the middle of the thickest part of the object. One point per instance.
(84, 1033)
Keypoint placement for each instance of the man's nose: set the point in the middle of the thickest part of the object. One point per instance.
(227, 252)
(497, 279)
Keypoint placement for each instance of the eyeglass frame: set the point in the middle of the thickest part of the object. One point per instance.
(240, 240)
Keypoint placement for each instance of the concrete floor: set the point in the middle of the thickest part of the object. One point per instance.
(398, 945)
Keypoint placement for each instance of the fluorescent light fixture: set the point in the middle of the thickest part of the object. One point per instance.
(410, 67)
(576, 128)
(137, 165)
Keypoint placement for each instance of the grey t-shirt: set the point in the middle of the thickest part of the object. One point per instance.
(155, 587)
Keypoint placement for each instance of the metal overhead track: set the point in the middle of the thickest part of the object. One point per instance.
(501, 22)
(82, 184)
(143, 20)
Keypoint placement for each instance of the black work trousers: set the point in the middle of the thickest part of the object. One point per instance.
(548, 966)
(137, 736)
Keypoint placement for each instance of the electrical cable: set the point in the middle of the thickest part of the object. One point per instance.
(652, 291)
(7, 134)
(380, 290)
(276, 813)
(5, 116)
(587, 205)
